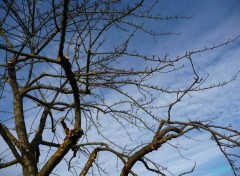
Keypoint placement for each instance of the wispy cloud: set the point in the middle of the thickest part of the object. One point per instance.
(211, 25)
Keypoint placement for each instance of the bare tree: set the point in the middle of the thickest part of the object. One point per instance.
(69, 80)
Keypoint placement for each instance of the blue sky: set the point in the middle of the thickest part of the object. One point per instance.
(214, 22)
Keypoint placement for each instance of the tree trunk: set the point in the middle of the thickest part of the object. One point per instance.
(29, 166)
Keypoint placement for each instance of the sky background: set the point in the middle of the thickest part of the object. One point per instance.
(214, 22)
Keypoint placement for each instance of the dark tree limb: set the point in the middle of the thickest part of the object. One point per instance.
(70, 140)
(63, 27)
(10, 139)
(7, 164)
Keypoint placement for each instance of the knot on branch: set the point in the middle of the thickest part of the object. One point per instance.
(155, 145)
(74, 134)
(64, 61)
(11, 62)
(162, 133)
(11, 68)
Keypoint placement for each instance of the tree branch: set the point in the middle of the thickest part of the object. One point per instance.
(4, 165)
(10, 139)
(69, 141)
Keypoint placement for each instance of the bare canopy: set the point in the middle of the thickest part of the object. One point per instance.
(69, 72)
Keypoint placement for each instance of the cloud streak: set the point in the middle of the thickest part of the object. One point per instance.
(221, 64)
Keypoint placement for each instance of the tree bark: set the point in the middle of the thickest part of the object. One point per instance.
(29, 166)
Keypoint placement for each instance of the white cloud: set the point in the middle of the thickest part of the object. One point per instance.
(221, 64)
